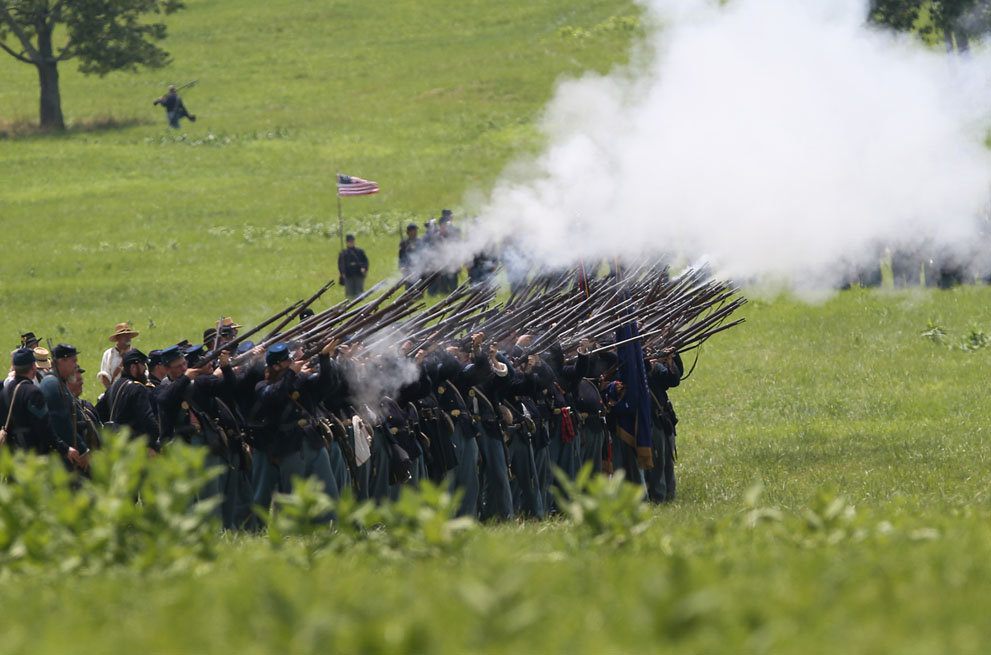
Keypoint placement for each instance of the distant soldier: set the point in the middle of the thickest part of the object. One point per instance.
(352, 264)
(446, 231)
(408, 259)
(174, 109)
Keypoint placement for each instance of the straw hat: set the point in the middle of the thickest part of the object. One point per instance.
(42, 359)
(229, 322)
(122, 330)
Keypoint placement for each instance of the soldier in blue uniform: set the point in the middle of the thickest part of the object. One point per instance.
(25, 413)
(174, 108)
(662, 374)
(129, 401)
(66, 414)
(293, 443)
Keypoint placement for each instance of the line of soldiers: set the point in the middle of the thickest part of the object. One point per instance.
(491, 422)
(417, 255)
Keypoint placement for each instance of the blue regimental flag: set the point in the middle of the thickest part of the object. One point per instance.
(633, 417)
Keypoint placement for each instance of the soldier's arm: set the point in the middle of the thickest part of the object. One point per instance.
(144, 416)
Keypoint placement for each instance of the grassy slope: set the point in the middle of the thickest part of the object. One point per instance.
(237, 213)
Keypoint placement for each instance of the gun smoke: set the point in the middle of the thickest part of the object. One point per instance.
(781, 140)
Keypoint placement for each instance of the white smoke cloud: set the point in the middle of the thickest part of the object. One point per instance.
(774, 138)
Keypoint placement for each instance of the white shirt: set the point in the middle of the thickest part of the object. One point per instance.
(110, 365)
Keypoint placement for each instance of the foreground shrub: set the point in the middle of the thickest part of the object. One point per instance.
(422, 522)
(606, 510)
(134, 510)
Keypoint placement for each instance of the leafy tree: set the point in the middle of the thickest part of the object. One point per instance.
(956, 21)
(105, 35)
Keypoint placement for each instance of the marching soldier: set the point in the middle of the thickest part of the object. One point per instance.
(174, 108)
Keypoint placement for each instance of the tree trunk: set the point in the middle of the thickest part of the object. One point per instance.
(948, 40)
(51, 99)
(963, 43)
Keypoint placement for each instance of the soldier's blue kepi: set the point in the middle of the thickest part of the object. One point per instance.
(277, 353)
(22, 357)
(154, 358)
(171, 354)
(193, 353)
(64, 350)
(245, 346)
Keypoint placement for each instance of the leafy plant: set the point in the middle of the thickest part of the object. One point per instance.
(133, 511)
(934, 332)
(422, 522)
(606, 510)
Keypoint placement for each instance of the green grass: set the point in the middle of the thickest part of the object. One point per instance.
(237, 213)
(833, 494)
(868, 443)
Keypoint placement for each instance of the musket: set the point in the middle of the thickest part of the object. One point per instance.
(187, 85)
(232, 346)
(309, 301)
(216, 334)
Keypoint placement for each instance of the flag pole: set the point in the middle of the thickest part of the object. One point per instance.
(340, 216)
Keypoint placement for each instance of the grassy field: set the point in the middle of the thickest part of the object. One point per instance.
(833, 495)
(237, 213)
(833, 472)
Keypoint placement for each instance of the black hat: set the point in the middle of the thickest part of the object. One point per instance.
(171, 354)
(412, 226)
(349, 237)
(305, 313)
(277, 353)
(22, 357)
(245, 346)
(154, 358)
(209, 334)
(64, 350)
(28, 338)
(445, 212)
(134, 356)
(227, 330)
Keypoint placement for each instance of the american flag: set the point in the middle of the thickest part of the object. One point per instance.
(348, 185)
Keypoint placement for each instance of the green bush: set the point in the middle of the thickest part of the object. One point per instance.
(133, 511)
(421, 523)
(605, 510)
